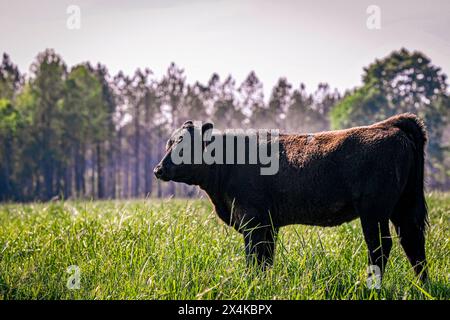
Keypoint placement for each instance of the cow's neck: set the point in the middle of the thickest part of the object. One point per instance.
(215, 186)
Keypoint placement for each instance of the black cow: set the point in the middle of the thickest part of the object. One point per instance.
(372, 172)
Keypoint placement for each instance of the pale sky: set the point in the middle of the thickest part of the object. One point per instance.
(305, 41)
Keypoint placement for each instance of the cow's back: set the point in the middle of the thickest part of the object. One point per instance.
(321, 176)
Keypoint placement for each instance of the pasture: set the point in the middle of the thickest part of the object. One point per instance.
(179, 249)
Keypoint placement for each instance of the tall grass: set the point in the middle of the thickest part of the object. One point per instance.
(178, 249)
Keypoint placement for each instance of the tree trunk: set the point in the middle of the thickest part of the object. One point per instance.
(5, 175)
(80, 168)
(126, 175)
(68, 181)
(47, 169)
(93, 193)
(137, 138)
(148, 170)
(119, 165)
(59, 178)
(111, 176)
(100, 184)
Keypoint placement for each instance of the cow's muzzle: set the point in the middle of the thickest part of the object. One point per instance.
(161, 173)
(158, 171)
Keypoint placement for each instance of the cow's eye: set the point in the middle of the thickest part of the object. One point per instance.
(180, 138)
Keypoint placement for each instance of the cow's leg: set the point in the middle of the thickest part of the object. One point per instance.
(412, 239)
(260, 245)
(378, 239)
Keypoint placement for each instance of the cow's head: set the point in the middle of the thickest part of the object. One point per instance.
(186, 171)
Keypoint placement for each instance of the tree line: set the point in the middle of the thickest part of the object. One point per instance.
(81, 132)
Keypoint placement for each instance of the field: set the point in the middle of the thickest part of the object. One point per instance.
(178, 249)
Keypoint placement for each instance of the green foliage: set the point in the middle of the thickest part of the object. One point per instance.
(363, 106)
(279, 103)
(179, 249)
(84, 107)
(9, 78)
(9, 122)
(408, 79)
(226, 111)
(402, 82)
(80, 133)
(9, 118)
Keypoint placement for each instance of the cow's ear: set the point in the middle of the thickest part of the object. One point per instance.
(188, 124)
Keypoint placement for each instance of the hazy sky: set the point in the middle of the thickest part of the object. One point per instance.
(306, 41)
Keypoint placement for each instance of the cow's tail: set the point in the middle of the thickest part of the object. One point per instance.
(414, 128)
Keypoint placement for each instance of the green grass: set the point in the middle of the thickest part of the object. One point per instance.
(178, 249)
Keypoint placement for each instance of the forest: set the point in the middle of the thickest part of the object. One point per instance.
(81, 132)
